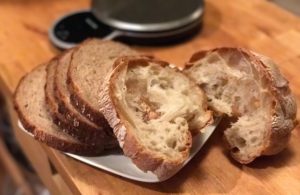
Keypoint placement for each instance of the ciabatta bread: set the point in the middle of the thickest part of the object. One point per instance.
(30, 104)
(249, 87)
(153, 109)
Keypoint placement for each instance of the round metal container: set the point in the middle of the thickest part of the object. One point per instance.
(130, 21)
(147, 15)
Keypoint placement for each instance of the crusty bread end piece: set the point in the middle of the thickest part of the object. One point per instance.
(249, 87)
(151, 108)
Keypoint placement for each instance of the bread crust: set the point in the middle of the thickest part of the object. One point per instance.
(40, 135)
(283, 113)
(77, 99)
(87, 133)
(145, 159)
(60, 120)
(52, 107)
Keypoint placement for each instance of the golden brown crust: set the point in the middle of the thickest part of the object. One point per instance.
(285, 110)
(145, 159)
(283, 116)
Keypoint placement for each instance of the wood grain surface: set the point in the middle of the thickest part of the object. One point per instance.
(256, 24)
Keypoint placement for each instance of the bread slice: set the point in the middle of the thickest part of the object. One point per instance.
(151, 108)
(51, 102)
(68, 126)
(249, 87)
(30, 104)
(88, 132)
(91, 61)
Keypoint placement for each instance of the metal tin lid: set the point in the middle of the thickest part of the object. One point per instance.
(147, 16)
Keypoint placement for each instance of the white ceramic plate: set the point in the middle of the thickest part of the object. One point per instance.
(117, 163)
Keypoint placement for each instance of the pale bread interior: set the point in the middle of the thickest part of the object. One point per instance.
(161, 105)
(235, 87)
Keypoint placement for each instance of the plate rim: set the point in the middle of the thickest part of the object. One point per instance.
(205, 136)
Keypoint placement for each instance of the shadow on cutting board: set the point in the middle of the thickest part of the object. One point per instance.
(276, 161)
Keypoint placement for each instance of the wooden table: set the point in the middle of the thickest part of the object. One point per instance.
(256, 24)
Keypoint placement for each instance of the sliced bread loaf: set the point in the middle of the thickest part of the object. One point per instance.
(51, 102)
(88, 132)
(30, 104)
(68, 126)
(91, 61)
(153, 109)
(250, 88)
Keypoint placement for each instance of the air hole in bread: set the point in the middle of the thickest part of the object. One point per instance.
(214, 87)
(185, 92)
(253, 139)
(182, 148)
(153, 143)
(160, 98)
(154, 82)
(235, 150)
(241, 142)
(235, 86)
(273, 104)
(171, 142)
(213, 59)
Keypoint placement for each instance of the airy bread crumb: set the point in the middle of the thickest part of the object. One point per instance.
(153, 110)
(249, 87)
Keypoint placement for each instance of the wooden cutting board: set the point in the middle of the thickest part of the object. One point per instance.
(256, 24)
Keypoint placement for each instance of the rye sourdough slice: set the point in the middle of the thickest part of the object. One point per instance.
(153, 109)
(88, 132)
(248, 87)
(30, 104)
(51, 102)
(90, 63)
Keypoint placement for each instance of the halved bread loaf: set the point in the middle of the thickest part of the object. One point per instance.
(88, 132)
(30, 104)
(153, 109)
(91, 61)
(250, 88)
